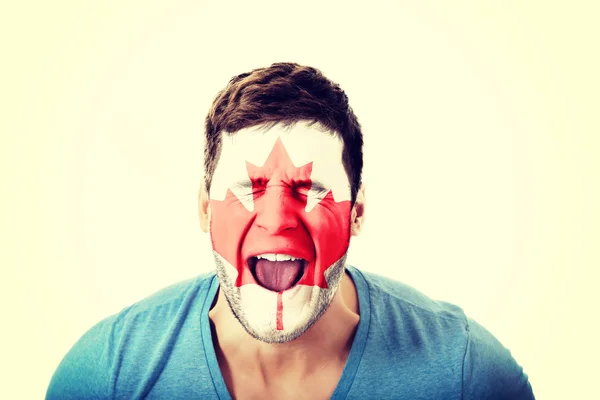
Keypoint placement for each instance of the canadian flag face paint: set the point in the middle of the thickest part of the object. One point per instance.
(280, 226)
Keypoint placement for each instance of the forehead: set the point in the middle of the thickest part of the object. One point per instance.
(304, 143)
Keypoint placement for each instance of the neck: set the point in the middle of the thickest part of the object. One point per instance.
(327, 342)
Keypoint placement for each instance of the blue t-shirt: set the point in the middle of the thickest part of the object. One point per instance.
(407, 346)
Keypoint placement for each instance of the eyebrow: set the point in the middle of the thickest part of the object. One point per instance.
(245, 184)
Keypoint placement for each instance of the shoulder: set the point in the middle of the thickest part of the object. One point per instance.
(489, 369)
(438, 336)
(157, 311)
(170, 297)
(392, 296)
(91, 366)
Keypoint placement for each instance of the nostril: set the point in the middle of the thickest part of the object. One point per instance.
(275, 224)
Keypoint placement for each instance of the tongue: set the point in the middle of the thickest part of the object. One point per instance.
(278, 275)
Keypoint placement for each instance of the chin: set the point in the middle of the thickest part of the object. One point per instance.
(277, 320)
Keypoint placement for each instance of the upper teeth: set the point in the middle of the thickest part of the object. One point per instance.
(277, 257)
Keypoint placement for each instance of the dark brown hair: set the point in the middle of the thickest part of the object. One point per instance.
(286, 93)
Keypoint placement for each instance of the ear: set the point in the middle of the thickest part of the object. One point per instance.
(204, 208)
(358, 212)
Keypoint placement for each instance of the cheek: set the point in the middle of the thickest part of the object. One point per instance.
(329, 226)
(327, 221)
(228, 224)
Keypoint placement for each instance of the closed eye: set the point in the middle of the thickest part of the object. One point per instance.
(301, 184)
(249, 188)
(316, 186)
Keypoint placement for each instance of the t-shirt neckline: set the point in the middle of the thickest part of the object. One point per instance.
(352, 363)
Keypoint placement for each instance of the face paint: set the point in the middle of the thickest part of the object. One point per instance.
(280, 226)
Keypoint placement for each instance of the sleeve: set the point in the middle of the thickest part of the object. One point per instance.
(489, 370)
(86, 371)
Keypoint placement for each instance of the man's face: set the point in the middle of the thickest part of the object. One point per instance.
(280, 226)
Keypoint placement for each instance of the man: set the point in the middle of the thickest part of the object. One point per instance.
(284, 316)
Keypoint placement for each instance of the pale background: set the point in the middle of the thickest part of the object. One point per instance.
(481, 128)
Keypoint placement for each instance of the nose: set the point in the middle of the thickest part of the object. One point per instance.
(276, 211)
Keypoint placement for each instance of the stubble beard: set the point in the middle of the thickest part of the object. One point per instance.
(318, 305)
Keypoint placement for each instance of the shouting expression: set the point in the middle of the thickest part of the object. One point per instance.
(280, 226)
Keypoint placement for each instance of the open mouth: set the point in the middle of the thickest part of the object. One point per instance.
(277, 272)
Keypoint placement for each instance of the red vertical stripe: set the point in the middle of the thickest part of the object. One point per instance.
(280, 311)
